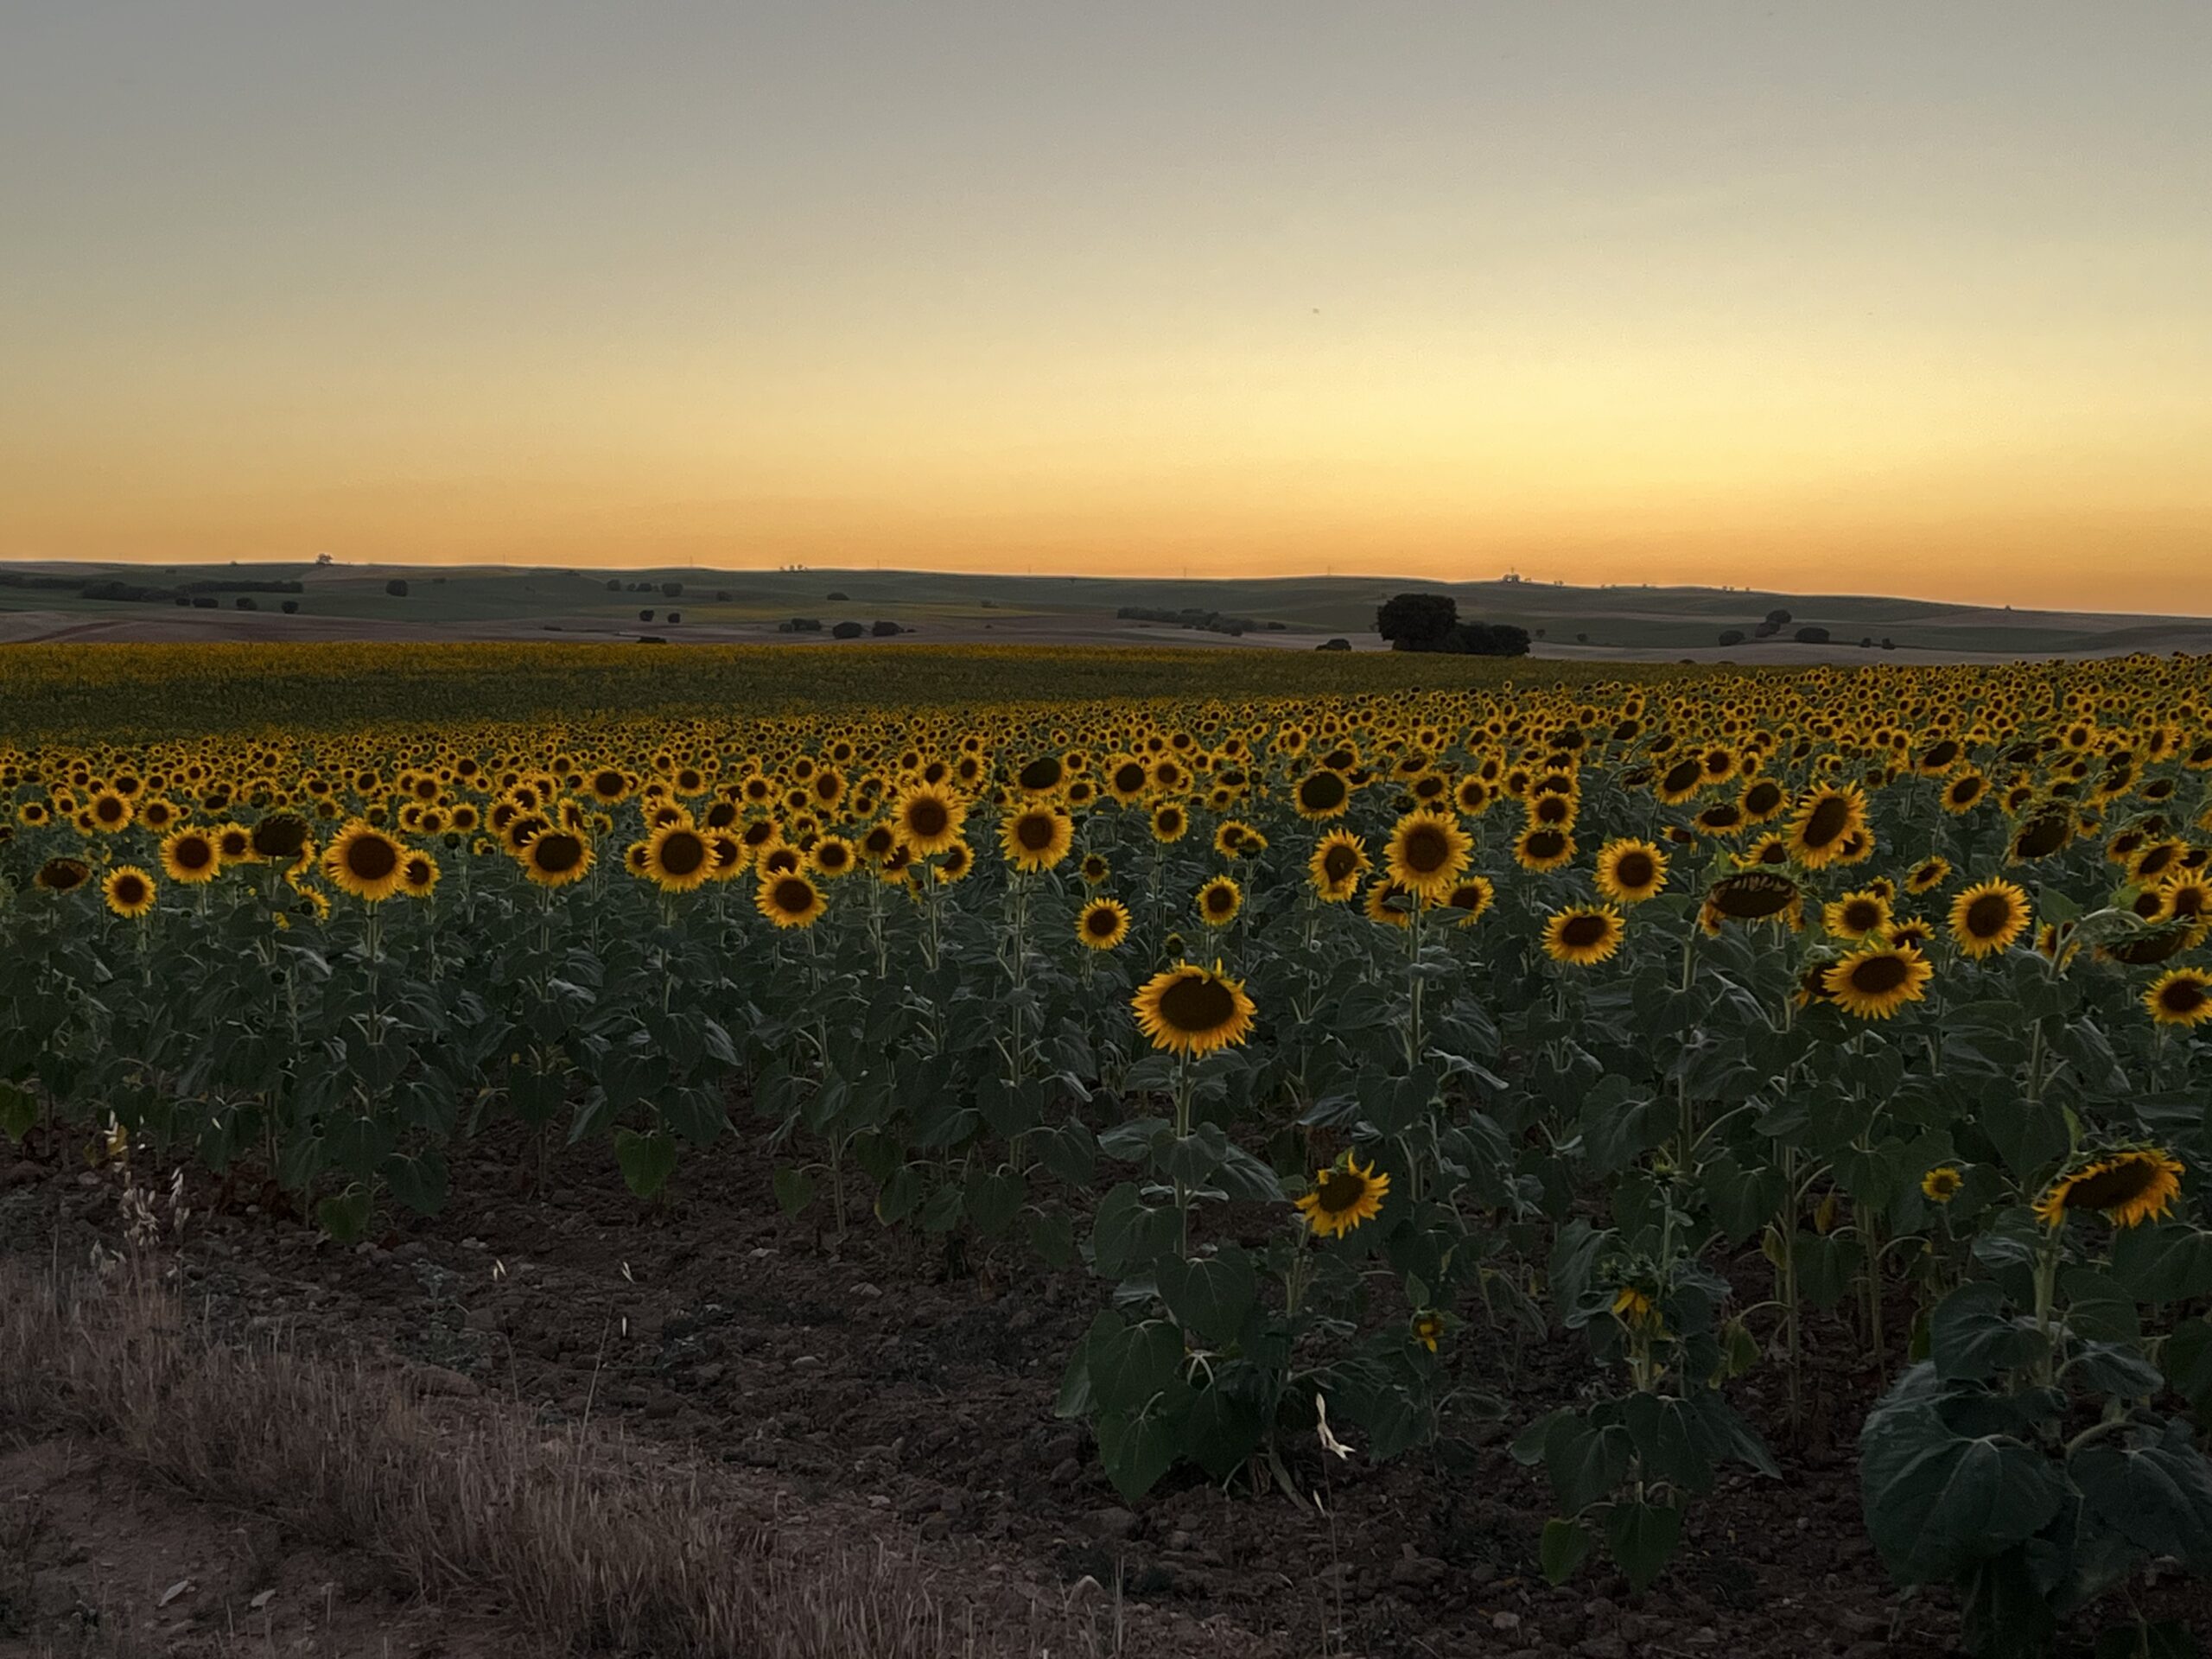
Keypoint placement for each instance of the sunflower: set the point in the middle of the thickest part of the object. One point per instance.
(1856, 914)
(1911, 933)
(1753, 896)
(1170, 822)
(832, 856)
(1036, 838)
(418, 874)
(1986, 918)
(1389, 902)
(129, 890)
(1964, 791)
(1583, 934)
(1095, 869)
(1337, 863)
(1342, 1196)
(110, 812)
(1876, 981)
(1102, 924)
(1191, 1010)
(364, 861)
(1320, 795)
(927, 817)
(1941, 1184)
(556, 858)
(189, 856)
(2180, 996)
(61, 875)
(1929, 875)
(1470, 898)
(1542, 848)
(2128, 1187)
(2185, 898)
(1428, 1327)
(1821, 827)
(2048, 831)
(1629, 872)
(789, 900)
(281, 837)
(677, 858)
(1219, 900)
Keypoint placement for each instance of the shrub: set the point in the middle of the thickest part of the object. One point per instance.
(1732, 636)
(849, 631)
(396, 587)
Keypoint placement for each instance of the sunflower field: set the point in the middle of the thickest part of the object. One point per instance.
(1333, 1033)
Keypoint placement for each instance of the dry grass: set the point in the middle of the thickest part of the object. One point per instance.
(594, 1547)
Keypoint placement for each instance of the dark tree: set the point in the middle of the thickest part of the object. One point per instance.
(1777, 616)
(671, 589)
(291, 607)
(838, 598)
(1334, 644)
(1488, 640)
(396, 587)
(884, 629)
(645, 616)
(1809, 636)
(614, 584)
(245, 603)
(849, 631)
(675, 616)
(1732, 636)
(1416, 621)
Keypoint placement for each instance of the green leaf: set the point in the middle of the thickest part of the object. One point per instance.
(2169, 1261)
(2112, 1368)
(995, 1200)
(417, 1181)
(2156, 1495)
(346, 1216)
(1220, 1431)
(1585, 1461)
(2163, 1640)
(1130, 1366)
(900, 1197)
(794, 1189)
(1566, 1544)
(1938, 1502)
(1971, 1339)
(1051, 1236)
(1139, 1446)
(1642, 1537)
(647, 1160)
(18, 1111)
(1128, 1235)
(1209, 1295)
(2186, 1358)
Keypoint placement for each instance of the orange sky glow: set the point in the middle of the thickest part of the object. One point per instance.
(1881, 297)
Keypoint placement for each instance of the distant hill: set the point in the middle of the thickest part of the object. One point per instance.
(56, 602)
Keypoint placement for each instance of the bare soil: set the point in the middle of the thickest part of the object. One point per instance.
(878, 1397)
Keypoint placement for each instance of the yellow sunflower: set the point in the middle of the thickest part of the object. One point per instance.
(129, 891)
(1170, 823)
(1319, 795)
(1986, 918)
(1187, 1009)
(61, 875)
(1856, 915)
(927, 818)
(1874, 982)
(1821, 829)
(418, 874)
(1929, 875)
(2128, 1187)
(364, 861)
(677, 858)
(833, 857)
(1629, 871)
(1036, 837)
(2180, 996)
(1219, 900)
(189, 856)
(1343, 1196)
(789, 900)
(1583, 934)
(1470, 898)
(1389, 902)
(556, 858)
(1102, 924)
(1542, 847)
(1941, 1184)
(1337, 863)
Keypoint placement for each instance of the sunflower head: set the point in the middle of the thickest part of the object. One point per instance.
(2180, 997)
(129, 891)
(1629, 872)
(556, 858)
(1219, 900)
(1102, 924)
(1191, 1010)
(2127, 1187)
(1941, 1184)
(1342, 1196)
(365, 863)
(1875, 980)
(1583, 934)
(789, 900)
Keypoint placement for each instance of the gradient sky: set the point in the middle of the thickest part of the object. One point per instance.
(1910, 297)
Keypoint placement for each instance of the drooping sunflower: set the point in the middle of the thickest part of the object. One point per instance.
(1583, 934)
(928, 817)
(61, 875)
(1036, 837)
(1187, 1009)
(1342, 1196)
(129, 891)
(1102, 924)
(2127, 1187)
(1471, 897)
(677, 858)
(418, 874)
(1826, 819)
(1986, 918)
(364, 861)
(189, 856)
(281, 837)
(1929, 875)
(2050, 829)
(1630, 871)
(556, 858)
(789, 900)
(1874, 982)
(1337, 863)
(1856, 915)
(2180, 996)
(1219, 900)
(1753, 896)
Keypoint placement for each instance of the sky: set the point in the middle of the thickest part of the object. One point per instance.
(1885, 298)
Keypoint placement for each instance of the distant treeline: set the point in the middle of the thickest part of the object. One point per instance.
(1193, 616)
(139, 592)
